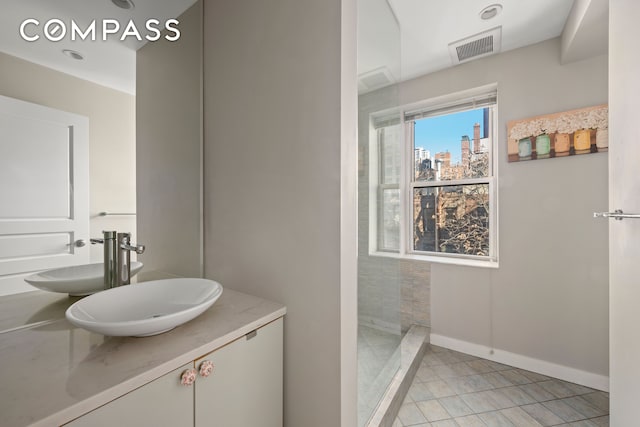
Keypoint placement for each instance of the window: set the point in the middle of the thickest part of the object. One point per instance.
(434, 170)
(390, 149)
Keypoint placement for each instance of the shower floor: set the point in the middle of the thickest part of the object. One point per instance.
(378, 361)
(455, 389)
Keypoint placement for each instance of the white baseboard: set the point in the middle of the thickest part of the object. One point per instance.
(577, 376)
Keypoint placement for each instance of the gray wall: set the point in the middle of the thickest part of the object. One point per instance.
(280, 183)
(112, 124)
(169, 146)
(549, 298)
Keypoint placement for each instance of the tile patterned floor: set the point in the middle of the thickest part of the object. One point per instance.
(453, 389)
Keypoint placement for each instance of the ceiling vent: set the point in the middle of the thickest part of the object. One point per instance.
(476, 46)
(376, 79)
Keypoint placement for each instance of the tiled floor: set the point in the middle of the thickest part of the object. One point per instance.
(454, 389)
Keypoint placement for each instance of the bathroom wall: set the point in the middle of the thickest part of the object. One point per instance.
(169, 146)
(546, 306)
(112, 153)
(280, 184)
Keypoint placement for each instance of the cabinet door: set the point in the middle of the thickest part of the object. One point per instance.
(245, 387)
(163, 402)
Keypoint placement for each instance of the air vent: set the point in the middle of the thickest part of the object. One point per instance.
(476, 46)
(376, 79)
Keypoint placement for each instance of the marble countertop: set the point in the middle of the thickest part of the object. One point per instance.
(52, 372)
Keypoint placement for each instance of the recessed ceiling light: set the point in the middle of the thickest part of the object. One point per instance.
(73, 54)
(490, 11)
(124, 4)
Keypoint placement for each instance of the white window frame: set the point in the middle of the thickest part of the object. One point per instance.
(447, 103)
(381, 188)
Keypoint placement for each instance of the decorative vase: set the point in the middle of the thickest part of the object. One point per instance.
(562, 144)
(543, 146)
(524, 149)
(602, 139)
(582, 141)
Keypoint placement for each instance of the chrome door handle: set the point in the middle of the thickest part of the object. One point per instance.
(617, 214)
(79, 243)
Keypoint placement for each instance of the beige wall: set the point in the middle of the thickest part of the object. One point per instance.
(280, 184)
(112, 153)
(549, 299)
(169, 136)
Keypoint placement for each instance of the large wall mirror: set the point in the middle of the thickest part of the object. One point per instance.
(77, 57)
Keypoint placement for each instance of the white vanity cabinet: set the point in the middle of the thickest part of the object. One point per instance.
(162, 402)
(243, 389)
(245, 386)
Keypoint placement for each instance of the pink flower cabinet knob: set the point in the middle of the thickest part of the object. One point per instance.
(206, 368)
(188, 377)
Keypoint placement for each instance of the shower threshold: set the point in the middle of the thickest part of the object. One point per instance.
(412, 349)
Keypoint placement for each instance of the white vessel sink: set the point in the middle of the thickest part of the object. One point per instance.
(77, 280)
(144, 309)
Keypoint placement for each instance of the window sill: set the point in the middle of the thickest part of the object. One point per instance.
(464, 262)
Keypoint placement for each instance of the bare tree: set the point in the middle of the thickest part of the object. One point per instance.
(479, 166)
(464, 221)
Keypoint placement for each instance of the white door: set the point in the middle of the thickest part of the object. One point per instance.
(624, 194)
(44, 191)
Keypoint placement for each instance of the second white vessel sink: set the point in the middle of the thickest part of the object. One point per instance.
(77, 280)
(144, 309)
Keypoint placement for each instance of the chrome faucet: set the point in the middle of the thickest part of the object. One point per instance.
(117, 257)
(124, 258)
(110, 261)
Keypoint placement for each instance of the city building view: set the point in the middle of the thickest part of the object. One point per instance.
(453, 218)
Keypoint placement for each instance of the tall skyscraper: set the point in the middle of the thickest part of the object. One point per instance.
(476, 138)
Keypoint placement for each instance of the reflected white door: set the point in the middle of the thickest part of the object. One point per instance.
(624, 193)
(44, 191)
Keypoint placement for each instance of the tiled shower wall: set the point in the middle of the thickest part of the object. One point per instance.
(415, 293)
(379, 277)
(378, 295)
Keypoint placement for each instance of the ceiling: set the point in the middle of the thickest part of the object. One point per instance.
(397, 39)
(403, 39)
(110, 63)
